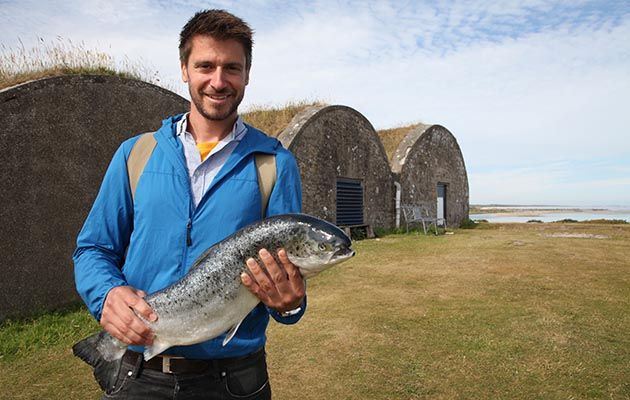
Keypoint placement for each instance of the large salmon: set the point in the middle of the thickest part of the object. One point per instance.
(210, 299)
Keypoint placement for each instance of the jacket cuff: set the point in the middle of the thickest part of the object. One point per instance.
(291, 319)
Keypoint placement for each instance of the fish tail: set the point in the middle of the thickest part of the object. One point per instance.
(104, 353)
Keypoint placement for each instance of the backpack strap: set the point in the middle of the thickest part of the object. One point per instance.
(138, 158)
(143, 148)
(266, 171)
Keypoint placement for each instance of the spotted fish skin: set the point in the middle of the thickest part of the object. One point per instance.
(210, 298)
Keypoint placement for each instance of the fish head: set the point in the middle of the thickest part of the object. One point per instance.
(317, 245)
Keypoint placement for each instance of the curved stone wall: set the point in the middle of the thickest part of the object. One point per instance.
(337, 141)
(428, 155)
(57, 136)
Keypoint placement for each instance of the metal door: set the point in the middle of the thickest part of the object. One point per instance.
(441, 204)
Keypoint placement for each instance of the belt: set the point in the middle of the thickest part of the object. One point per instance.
(179, 365)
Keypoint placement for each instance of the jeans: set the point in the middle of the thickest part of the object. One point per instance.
(247, 380)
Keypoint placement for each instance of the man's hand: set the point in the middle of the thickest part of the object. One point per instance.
(280, 287)
(120, 320)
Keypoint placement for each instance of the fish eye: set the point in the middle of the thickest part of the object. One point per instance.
(322, 246)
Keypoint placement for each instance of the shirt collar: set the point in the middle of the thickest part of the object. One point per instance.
(238, 130)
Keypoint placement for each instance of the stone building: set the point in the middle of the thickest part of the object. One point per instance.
(57, 136)
(429, 169)
(345, 173)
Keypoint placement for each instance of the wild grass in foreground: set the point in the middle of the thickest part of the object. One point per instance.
(514, 311)
(64, 57)
(25, 337)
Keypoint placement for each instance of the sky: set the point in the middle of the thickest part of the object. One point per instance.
(537, 93)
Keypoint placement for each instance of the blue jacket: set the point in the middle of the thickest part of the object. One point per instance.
(163, 233)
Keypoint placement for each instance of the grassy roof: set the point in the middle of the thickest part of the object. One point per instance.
(273, 120)
(391, 138)
(63, 57)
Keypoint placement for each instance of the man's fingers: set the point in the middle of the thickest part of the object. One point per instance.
(262, 279)
(276, 272)
(119, 315)
(130, 333)
(293, 273)
(278, 285)
(132, 327)
(142, 308)
(115, 332)
(253, 287)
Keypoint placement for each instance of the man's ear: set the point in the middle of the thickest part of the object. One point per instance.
(247, 77)
(184, 72)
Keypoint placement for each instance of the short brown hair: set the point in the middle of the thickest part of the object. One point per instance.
(220, 25)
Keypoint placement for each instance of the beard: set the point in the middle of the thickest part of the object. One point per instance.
(213, 112)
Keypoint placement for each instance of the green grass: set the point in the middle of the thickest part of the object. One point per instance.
(25, 337)
(503, 311)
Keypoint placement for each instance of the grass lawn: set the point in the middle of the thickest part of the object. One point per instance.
(514, 311)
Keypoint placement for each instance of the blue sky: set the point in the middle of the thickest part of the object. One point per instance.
(537, 93)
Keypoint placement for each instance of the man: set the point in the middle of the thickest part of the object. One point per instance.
(198, 186)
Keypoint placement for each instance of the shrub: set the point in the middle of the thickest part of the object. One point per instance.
(468, 223)
(358, 233)
(606, 221)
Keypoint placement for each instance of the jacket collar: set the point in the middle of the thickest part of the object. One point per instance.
(254, 141)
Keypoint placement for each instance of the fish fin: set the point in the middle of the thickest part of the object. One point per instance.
(230, 334)
(100, 346)
(156, 348)
(104, 353)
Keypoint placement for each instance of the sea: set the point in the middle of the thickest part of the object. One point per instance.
(510, 214)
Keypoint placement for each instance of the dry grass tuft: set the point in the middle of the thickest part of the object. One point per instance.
(391, 138)
(273, 120)
(64, 57)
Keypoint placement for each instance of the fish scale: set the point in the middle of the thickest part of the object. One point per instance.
(210, 299)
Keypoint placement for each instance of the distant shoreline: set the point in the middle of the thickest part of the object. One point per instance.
(520, 214)
(526, 211)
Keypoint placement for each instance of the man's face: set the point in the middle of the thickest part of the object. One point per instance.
(216, 76)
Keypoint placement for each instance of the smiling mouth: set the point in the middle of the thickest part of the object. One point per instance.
(218, 98)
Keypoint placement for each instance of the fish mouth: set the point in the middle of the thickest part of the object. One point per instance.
(342, 254)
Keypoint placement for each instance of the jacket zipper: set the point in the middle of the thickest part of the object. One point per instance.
(188, 237)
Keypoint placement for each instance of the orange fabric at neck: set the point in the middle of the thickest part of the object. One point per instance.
(205, 148)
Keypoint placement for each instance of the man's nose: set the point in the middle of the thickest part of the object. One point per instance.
(218, 81)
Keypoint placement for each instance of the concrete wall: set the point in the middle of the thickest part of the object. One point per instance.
(57, 136)
(337, 141)
(428, 155)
